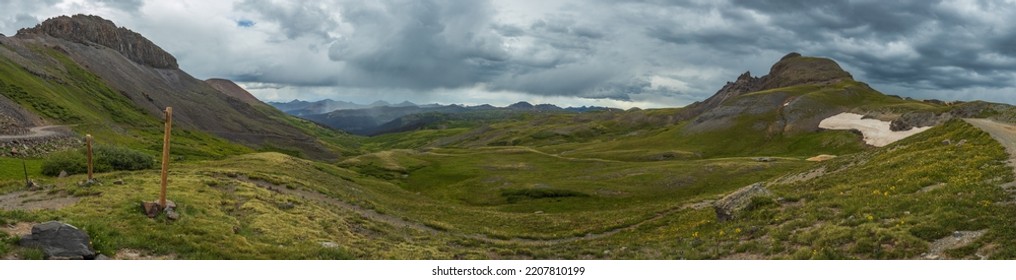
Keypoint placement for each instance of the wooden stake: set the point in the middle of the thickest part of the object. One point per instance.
(88, 141)
(24, 166)
(165, 155)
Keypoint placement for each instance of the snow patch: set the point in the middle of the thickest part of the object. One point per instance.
(876, 132)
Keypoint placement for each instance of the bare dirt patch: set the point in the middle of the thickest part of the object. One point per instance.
(35, 200)
(821, 158)
(18, 229)
(956, 240)
(135, 254)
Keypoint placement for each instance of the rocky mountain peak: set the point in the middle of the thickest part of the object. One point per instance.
(88, 29)
(745, 77)
(794, 69)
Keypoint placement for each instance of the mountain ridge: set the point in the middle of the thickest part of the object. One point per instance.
(94, 29)
(133, 81)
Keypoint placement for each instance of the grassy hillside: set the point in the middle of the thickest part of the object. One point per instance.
(516, 202)
(80, 99)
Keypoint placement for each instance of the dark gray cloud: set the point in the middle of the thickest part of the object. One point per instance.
(295, 18)
(421, 44)
(914, 44)
(656, 51)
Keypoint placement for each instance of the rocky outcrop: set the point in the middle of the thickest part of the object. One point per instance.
(59, 241)
(730, 206)
(87, 29)
(794, 69)
(909, 120)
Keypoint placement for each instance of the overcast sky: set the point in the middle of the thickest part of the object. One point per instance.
(612, 53)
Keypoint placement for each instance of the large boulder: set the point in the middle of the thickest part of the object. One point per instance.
(733, 204)
(59, 241)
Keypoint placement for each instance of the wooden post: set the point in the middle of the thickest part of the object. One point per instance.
(88, 141)
(24, 166)
(165, 155)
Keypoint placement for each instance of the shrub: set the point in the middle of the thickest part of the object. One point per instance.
(73, 162)
(105, 158)
(119, 158)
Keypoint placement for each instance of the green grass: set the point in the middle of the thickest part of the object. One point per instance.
(12, 169)
(630, 185)
(479, 202)
(872, 210)
(78, 98)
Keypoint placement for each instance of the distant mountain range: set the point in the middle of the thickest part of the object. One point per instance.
(382, 117)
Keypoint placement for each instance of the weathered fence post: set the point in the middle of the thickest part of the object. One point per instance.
(24, 166)
(165, 155)
(88, 144)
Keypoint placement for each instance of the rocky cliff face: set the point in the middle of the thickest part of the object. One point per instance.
(87, 29)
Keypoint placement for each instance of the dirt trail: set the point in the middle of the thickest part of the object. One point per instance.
(35, 200)
(38, 132)
(1005, 134)
(399, 222)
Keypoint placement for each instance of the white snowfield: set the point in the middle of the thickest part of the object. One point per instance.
(876, 132)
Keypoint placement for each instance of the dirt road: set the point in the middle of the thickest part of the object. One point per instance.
(1005, 134)
(39, 132)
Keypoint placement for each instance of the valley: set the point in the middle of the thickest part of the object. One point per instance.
(482, 182)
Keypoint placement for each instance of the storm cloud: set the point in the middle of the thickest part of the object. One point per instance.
(628, 53)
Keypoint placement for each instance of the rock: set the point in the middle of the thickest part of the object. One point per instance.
(961, 142)
(63, 174)
(329, 244)
(538, 212)
(59, 241)
(118, 182)
(101, 257)
(947, 142)
(151, 209)
(89, 183)
(765, 159)
(32, 185)
(731, 205)
(286, 206)
(171, 214)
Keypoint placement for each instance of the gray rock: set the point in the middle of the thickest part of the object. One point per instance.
(329, 244)
(731, 205)
(151, 209)
(171, 214)
(101, 257)
(118, 182)
(63, 173)
(765, 159)
(59, 241)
